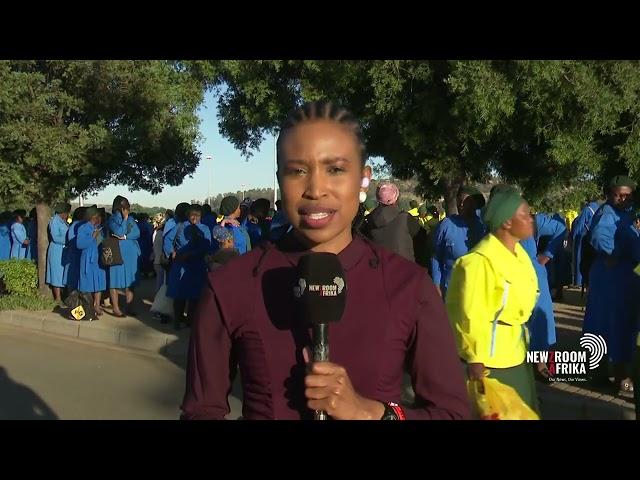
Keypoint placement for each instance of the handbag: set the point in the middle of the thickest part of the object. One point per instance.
(110, 254)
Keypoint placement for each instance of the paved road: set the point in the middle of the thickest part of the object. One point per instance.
(49, 377)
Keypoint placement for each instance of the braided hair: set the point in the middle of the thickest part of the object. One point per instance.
(322, 110)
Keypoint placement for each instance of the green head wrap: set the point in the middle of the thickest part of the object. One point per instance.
(501, 207)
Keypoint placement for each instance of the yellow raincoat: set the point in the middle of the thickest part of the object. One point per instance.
(491, 295)
(413, 212)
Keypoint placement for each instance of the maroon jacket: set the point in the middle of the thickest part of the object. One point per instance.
(393, 317)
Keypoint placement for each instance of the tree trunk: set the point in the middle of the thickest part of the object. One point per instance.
(450, 185)
(44, 214)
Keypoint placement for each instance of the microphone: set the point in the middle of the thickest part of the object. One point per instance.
(322, 296)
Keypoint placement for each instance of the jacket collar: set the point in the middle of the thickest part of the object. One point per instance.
(293, 249)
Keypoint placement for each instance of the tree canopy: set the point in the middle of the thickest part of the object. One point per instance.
(545, 125)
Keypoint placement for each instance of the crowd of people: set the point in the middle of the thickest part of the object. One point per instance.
(179, 249)
(494, 269)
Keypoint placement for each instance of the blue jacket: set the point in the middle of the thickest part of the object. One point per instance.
(5, 241)
(452, 239)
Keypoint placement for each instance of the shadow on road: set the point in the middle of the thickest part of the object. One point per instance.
(19, 402)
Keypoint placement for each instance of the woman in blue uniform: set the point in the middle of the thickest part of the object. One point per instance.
(124, 228)
(32, 234)
(456, 235)
(19, 239)
(58, 228)
(579, 230)
(71, 258)
(172, 228)
(189, 269)
(5, 236)
(92, 277)
(541, 324)
(610, 303)
(146, 244)
(230, 208)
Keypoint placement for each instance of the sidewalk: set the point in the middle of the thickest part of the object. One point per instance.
(142, 332)
(125, 332)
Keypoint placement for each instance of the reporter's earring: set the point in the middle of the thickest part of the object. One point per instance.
(365, 182)
(363, 197)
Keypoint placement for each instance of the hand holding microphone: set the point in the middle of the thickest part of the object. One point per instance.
(329, 389)
(321, 291)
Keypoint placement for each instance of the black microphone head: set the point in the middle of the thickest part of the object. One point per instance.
(321, 288)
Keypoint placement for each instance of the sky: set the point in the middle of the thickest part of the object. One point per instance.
(226, 172)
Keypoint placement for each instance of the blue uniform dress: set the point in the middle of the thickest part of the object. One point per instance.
(32, 235)
(92, 277)
(258, 232)
(187, 277)
(580, 228)
(541, 324)
(559, 267)
(241, 241)
(169, 235)
(71, 256)
(5, 241)
(279, 226)
(18, 236)
(209, 220)
(452, 239)
(146, 245)
(125, 275)
(57, 241)
(610, 301)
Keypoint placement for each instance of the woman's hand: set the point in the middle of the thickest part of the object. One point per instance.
(329, 388)
(475, 371)
(230, 221)
(543, 259)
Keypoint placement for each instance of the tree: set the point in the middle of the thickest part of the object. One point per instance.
(68, 127)
(541, 124)
(253, 194)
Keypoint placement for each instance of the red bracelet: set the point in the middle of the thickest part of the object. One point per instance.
(397, 409)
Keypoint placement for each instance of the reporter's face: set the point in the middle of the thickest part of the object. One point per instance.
(320, 173)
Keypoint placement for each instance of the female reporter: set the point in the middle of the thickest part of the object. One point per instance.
(394, 318)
